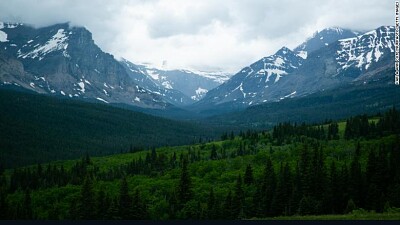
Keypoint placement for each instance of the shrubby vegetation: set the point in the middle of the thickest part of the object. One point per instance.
(317, 169)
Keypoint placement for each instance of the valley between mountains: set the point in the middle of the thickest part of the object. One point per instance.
(308, 132)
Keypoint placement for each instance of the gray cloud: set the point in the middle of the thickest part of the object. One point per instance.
(200, 34)
(191, 21)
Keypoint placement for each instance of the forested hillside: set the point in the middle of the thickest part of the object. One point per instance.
(294, 169)
(36, 128)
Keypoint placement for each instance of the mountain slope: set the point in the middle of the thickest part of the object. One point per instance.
(336, 103)
(64, 61)
(39, 128)
(252, 83)
(193, 84)
(341, 62)
(323, 38)
(164, 89)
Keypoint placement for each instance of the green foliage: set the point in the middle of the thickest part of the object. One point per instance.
(309, 176)
(37, 128)
(86, 204)
(184, 188)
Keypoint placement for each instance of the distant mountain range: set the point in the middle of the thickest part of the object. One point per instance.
(331, 58)
(64, 61)
(179, 87)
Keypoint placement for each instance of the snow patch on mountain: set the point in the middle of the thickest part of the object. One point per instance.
(167, 85)
(302, 54)
(3, 35)
(291, 95)
(364, 49)
(82, 86)
(56, 43)
(217, 76)
(153, 74)
(200, 92)
(100, 99)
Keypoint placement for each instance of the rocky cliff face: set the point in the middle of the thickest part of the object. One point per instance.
(64, 61)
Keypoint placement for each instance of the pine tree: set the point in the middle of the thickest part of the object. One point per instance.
(87, 201)
(268, 186)
(238, 199)
(3, 206)
(334, 188)
(101, 205)
(211, 205)
(248, 176)
(348, 132)
(305, 172)
(394, 171)
(185, 186)
(139, 210)
(173, 206)
(281, 204)
(86, 159)
(228, 210)
(213, 152)
(73, 211)
(318, 179)
(343, 187)
(112, 211)
(356, 185)
(373, 172)
(27, 206)
(125, 201)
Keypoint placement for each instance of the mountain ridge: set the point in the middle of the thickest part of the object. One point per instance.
(64, 61)
(317, 69)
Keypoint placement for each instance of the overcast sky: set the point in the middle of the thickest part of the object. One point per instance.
(200, 34)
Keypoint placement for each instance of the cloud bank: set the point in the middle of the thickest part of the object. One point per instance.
(203, 35)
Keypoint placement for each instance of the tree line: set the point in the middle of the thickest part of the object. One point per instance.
(310, 185)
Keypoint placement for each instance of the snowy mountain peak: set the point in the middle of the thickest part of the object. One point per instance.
(321, 39)
(284, 51)
(362, 51)
(64, 61)
(335, 29)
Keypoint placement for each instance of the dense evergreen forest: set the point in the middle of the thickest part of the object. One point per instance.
(337, 104)
(294, 169)
(36, 128)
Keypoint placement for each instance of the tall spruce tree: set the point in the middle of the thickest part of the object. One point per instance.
(334, 190)
(238, 199)
(211, 205)
(87, 201)
(139, 209)
(213, 152)
(228, 210)
(101, 205)
(27, 206)
(356, 185)
(268, 186)
(248, 175)
(282, 201)
(125, 201)
(185, 186)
